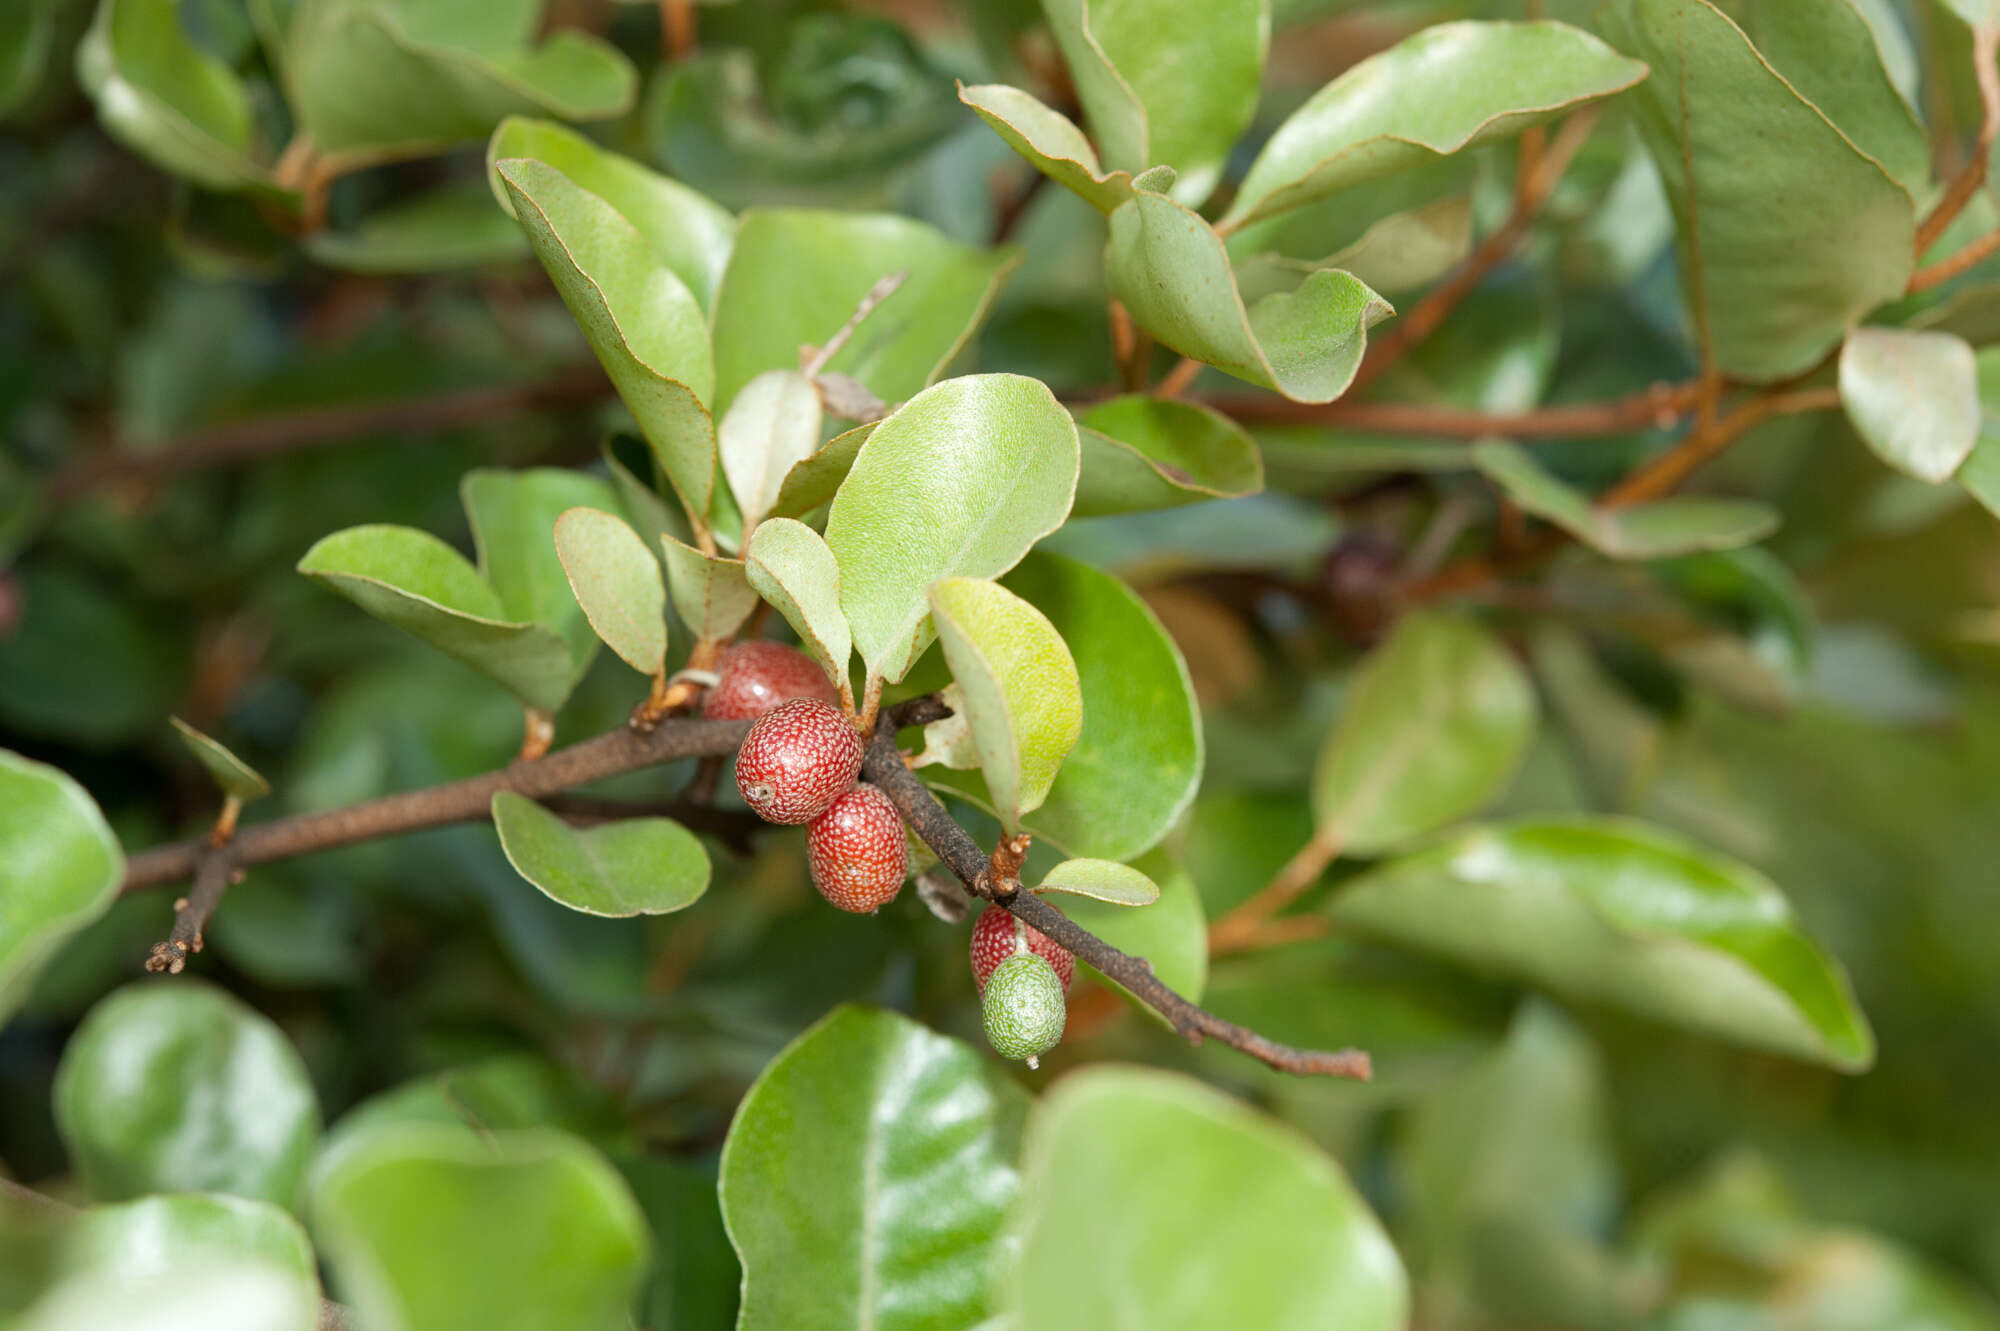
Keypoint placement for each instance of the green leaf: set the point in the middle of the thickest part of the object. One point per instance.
(60, 868)
(712, 595)
(424, 587)
(1124, 1176)
(771, 427)
(427, 1226)
(1050, 140)
(789, 565)
(163, 1236)
(513, 516)
(1144, 452)
(865, 1176)
(1101, 880)
(251, 1297)
(166, 98)
(1172, 933)
(641, 320)
(174, 1086)
(1164, 83)
(1913, 397)
(1432, 727)
(1626, 914)
(454, 226)
(1678, 525)
(636, 866)
(371, 82)
(27, 33)
(1400, 252)
(797, 275)
(692, 233)
(1445, 89)
(1788, 232)
(1171, 271)
(815, 480)
(616, 580)
(959, 483)
(1019, 685)
(1980, 474)
(236, 777)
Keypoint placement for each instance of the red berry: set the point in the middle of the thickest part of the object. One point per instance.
(798, 758)
(999, 935)
(859, 857)
(756, 675)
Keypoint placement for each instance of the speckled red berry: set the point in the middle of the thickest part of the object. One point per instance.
(859, 857)
(798, 758)
(756, 675)
(998, 935)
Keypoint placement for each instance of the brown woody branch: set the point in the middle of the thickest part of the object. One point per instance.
(1986, 67)
(955, 847)
(214, 870)
(1659, 406)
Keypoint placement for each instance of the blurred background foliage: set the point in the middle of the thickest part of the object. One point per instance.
(1826, 708)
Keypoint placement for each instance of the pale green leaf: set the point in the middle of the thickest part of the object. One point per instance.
(1019, 685)
(771, 427)
(421, 585)
(711, 594)
(166, 98)
(1101, 880)
(815, 480)
(865, 1177)
(1445, 89)
(1676, 525)
(513, 516)
(1401, 252)
(1171, 933)
(960, 482)
(1050, 140)
(60, 868)
(235, 777)
(1124, 1176)
(641, 320)
(789, 565)
(454, 226)
(635, 866)
(1144, 452)
(1980, 474)
(616, 580)
(1626, 914)
(1913, 397)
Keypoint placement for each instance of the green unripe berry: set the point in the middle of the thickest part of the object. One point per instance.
(1023, 1007)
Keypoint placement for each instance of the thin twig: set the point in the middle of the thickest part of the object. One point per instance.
(1236, 929)
(816, 360)
(959, 852)
(1175, 381)
(1964, 186)
(1659, 406)
(214, 870)
(1955, 263)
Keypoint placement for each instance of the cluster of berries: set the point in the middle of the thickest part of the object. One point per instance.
(799, 764)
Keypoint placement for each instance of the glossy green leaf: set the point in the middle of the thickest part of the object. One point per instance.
(771, 427)
(641, 320)
(1019, 686)
(815, 480)
(1101, 880)
(1431, 728)
(1788, 232)
(1050, 140)
(165, 1235)
(1163, 83)
(789, 565)
(455, 226)
(1124, 1175)
(1145, 452)
(712, 594)
(689, 231)
(1980, 474)
(513, 516)
(616, 580)
(1677, 525)
(424, 587)
(865, 1177)
(1440, 91)
(1626, 914)
(960, 482)
(1913, 397)
(1171, 933)
(174, 1086)
(797, 275)
(60, 868)
(1170, 269)
(635, 866)
(166, 98)
(236, 777)
(427, 1226)
(400, 78)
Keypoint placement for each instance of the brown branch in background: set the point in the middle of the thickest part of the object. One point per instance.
(956, 848)
(1986, 66)
(265, 436)
(677, 28)
(214, 871)
(1539, 172)
(1657, 407)
(1955, 263)
(1239, 928)
(1013, 206)
(1130, 348)
(1176, 381)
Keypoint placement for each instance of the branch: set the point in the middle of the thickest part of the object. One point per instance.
(1955, 263)
(265, 436)
(955, 847)
(1659, 407)
(214, 870)
(1240, 929)
(464, 801)
(1986, 67)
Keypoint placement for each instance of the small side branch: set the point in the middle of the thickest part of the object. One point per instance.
(1658, 407)
(1986, 67)
(213, 873)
